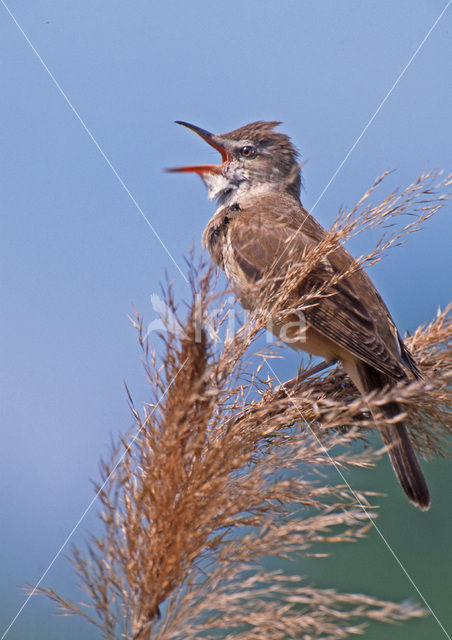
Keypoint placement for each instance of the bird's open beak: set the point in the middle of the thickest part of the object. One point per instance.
(210, 139)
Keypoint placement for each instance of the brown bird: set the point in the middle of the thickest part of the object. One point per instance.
(261, 225)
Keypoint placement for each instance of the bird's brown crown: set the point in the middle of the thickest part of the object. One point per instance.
(255, 131)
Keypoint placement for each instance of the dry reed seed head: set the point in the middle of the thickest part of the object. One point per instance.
(215, 479)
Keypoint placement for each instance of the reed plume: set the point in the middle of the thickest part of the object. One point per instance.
(225, 467)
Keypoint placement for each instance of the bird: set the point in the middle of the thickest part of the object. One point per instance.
(260, 225)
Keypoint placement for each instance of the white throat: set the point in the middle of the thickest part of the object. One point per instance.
(217, 185)
(228, 191)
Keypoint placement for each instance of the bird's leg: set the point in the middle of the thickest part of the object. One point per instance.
(307, 373)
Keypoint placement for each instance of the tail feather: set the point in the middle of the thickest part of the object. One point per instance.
(404, 462)
(396, 439)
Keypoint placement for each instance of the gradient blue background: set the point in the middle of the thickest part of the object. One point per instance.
(76, 254)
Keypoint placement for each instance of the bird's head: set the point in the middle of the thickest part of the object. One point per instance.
(254, 158)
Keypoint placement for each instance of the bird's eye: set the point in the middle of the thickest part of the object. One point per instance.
(248, 151)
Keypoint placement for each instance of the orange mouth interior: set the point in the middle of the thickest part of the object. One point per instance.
(203, 168)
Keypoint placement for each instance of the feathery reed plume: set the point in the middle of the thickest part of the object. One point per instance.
(225, 468)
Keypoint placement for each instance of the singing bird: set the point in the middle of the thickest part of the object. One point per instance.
(261, 225)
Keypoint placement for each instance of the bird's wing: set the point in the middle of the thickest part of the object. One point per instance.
(268, 236)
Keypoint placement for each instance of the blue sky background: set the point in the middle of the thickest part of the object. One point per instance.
(77, 255)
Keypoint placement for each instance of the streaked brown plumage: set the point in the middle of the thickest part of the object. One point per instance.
(261, 226)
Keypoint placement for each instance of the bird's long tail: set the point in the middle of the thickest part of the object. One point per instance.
(396, 439)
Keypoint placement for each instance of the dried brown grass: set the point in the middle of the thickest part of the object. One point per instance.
(225, 469)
